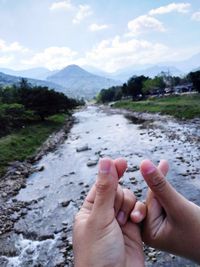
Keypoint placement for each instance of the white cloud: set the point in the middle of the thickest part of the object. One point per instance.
(178, 7)
(143, 24)
(196, 16)
(84, 11)
(63, 5)
(5, 60)
(52, 58)
(116, 53)
(95, 27)
(12, 47)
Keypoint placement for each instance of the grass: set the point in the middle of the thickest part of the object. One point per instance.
(182, 107)
(24, 142)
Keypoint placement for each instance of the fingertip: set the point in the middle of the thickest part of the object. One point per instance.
(105, 165)
(121, 166)
(139, 212)
(136, 216)
(147, 167)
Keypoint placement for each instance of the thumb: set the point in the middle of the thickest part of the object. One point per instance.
(168, 197)
(106, 186)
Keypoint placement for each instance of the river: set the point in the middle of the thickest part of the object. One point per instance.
(42, 233)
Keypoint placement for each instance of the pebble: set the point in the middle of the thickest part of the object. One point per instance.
(132, 169)
(91, 163)
(83, 148)
(65, 203)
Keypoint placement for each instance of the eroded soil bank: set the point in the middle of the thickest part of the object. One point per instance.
(41, 214)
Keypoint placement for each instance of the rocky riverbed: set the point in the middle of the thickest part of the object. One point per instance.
(40, 197)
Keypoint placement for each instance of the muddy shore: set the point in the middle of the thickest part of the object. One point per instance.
(154, 128)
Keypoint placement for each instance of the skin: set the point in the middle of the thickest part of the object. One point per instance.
(103, 234)
(172, 223)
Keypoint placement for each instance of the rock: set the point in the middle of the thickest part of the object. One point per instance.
(40, 169)
(91, 163)
(65, 203)
(23, 212)
(4, 194)
(83, 148)
(132, 169)
(133, 180)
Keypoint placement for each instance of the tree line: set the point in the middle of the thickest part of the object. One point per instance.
(140, 87)
(24, 103)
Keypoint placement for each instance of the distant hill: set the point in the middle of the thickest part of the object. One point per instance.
(155, 70)
(34, 73)
(80, 83)
(6, 79)
(151, 72)
(188, 64)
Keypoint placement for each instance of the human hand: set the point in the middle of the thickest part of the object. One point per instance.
(172, 223)
(99, 239)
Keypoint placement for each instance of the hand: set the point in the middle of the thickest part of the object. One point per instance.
(172, 223)
(99, 239)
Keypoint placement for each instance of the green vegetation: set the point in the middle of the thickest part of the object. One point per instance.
(24, 142)
(185, 106)
(141, 87)
(28, 115)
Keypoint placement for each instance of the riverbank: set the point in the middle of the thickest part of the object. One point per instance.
(20, 152)
(23, 143)
(181, 107)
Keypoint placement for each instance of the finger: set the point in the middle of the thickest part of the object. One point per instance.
(121, 166)
(105, 187)
(127, 206)
(119, 198)
(153, 221)
(164, 192)
(139, 212)
(89, 200)
(163, 166)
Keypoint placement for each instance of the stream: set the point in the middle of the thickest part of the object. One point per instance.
(42, 234)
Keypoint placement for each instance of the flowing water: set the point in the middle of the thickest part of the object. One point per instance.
(42, 235)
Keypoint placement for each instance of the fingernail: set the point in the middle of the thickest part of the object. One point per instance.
(121, 217)
(104, 166)
(137, 215)
(148, 168)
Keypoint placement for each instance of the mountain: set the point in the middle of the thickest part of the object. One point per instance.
(80, 83)
(155, 70)
(151, 72)
(197, 69)
(34, 73)
(6, 79)
(188, 64)
(97, 71)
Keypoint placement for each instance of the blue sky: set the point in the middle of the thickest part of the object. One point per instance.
(106, 34)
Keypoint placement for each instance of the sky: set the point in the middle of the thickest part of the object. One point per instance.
(107, 34)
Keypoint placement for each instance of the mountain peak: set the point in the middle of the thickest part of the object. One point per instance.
(79, 82)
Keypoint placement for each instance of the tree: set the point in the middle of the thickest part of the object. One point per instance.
(153, 86)
(194, 77)
(135, 85)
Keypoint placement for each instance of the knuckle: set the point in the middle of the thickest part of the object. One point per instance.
(102, 187)
(158, 183)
